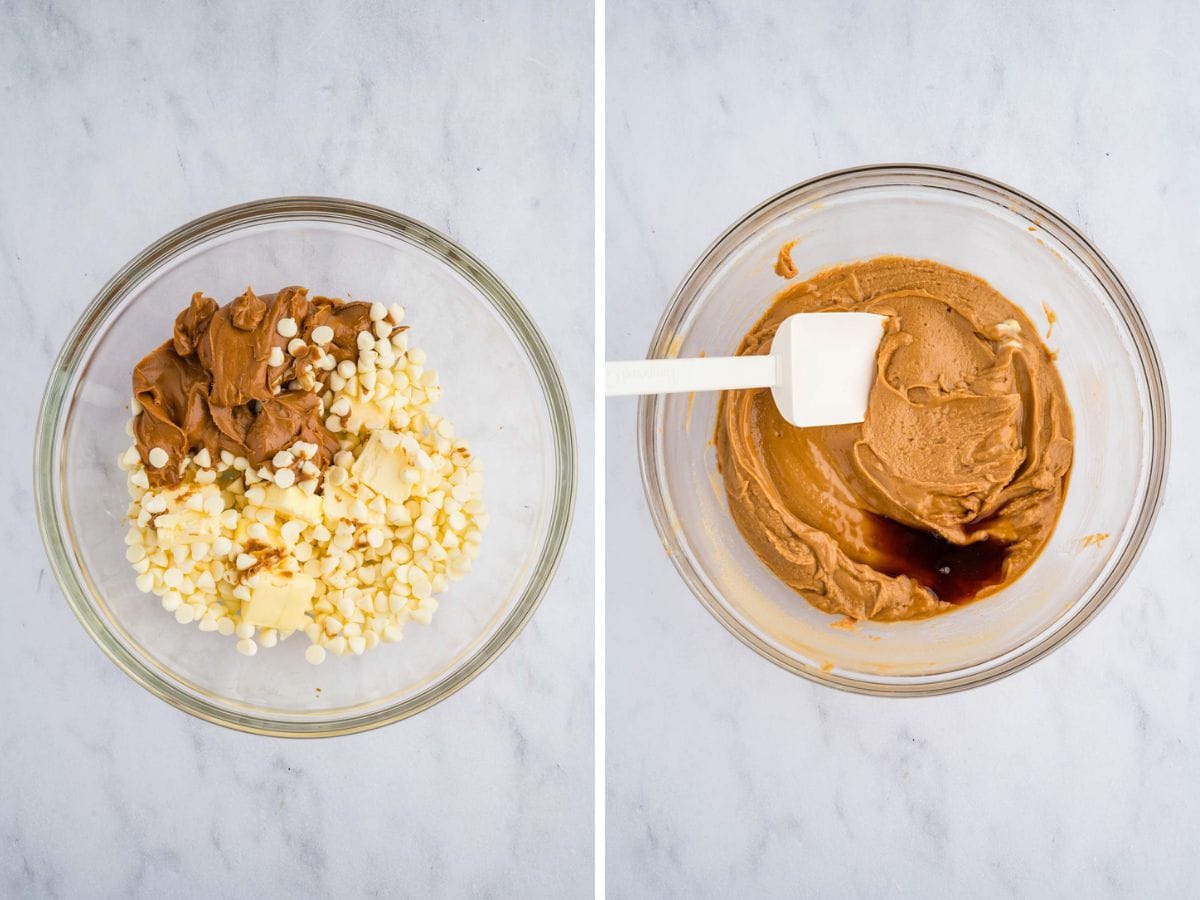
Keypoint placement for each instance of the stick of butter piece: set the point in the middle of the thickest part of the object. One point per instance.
(278, 601)
(186, 527)
(367, 412)
(242, 533)
(296, 502)
(338, 504)
(382, 469)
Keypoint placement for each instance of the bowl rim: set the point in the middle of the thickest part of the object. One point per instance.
(55, 400)
(982, 187)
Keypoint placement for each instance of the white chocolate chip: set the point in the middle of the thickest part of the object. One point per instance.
(377, 312)
(296, 346)
(275, 358)
(315, 654)
(158, 457)
(286, 327)
(285, 478)
(322, 335)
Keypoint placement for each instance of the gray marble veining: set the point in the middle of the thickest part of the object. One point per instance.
(729, 777)
(124, 120)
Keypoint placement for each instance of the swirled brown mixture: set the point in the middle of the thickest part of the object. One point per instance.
(953, 483)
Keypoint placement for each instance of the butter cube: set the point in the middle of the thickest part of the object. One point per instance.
(338, 504)
(366, 412)
(335, 504)
(242, 533)
(185, 527)
(181, 524)
(280, 601)
(382, 469)
(294, 502)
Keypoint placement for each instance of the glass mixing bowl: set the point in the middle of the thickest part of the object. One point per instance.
(1107, 360)
(503, 392)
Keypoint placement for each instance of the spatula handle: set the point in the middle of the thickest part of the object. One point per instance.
(674, 376)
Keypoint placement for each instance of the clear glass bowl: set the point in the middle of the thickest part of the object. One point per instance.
(503, 392)
(1107, 360)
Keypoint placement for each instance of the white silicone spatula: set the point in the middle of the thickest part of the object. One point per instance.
(820, 369)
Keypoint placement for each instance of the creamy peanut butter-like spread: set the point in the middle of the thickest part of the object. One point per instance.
(214, 385)
(953, 483)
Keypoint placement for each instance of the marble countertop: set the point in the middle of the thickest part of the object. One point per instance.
(730, 777)
(120, 125)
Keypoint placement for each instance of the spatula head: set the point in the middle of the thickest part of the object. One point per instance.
(826, 364)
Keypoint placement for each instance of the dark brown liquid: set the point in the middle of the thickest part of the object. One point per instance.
(955, 573)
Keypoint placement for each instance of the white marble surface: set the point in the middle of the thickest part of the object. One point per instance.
(1079, 776)
(122, 121)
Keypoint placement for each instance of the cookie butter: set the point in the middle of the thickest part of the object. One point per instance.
(222, 381)
(952, 484)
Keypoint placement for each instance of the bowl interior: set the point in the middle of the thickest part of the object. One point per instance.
(492, 394)
(1020, 255)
